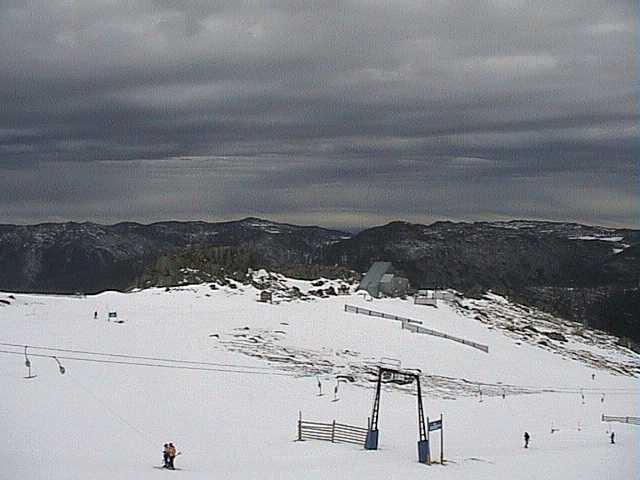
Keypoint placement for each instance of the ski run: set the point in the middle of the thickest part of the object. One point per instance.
(225, 377)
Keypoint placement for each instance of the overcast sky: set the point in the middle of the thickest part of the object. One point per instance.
(339, 113)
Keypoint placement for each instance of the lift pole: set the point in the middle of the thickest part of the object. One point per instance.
(371, 443)
(424, 455)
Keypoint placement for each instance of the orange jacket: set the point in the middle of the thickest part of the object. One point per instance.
(171, 451)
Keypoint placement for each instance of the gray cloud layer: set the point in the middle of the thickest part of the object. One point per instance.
(339, 113)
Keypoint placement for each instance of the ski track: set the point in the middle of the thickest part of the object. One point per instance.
(267, 346)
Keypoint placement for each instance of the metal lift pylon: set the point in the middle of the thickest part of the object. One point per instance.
(398, 376)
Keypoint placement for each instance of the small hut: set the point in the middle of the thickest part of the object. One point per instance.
(266, 296)
(425, 297)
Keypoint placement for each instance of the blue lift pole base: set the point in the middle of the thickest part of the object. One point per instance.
(371, 443)
(423, 451)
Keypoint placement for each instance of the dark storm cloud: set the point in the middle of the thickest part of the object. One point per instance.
(340, 113)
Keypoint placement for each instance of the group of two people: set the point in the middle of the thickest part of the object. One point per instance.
(169, 454)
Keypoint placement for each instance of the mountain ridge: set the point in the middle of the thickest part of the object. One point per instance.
(583, 272)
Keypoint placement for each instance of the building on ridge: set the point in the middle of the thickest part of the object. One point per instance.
(381, 280)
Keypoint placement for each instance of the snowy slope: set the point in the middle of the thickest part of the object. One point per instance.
(109, 421)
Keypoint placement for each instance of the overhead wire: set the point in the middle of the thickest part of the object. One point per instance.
(180, 364)
(155, 365)
(147, 438)
(134, 357)
(565, 389)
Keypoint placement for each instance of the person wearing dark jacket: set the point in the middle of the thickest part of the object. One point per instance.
(165, 455)
(526, 439)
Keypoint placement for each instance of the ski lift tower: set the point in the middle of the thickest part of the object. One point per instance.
(398, 377)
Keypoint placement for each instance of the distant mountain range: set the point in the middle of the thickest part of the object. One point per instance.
(87, 257)
(497, 254)
(578, 271)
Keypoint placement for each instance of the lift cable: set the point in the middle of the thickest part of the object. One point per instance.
(134, 357)
(156, 365)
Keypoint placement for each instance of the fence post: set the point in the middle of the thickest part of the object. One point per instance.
(300, 425)
(441, 440)
(333, 431)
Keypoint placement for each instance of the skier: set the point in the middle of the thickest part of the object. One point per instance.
(526, 439)
(95, 315)
(165, 456)
(172, 455)
(613, 436)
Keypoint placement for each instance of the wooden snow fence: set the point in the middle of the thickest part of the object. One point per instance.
(632, 420)
(331, 432)
(414, 326)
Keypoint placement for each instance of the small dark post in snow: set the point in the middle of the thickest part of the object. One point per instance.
(60, 367)
(441, 440)
(27, 363)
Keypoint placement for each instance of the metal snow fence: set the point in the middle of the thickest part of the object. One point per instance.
(414, 326)
(428, 331)
(373, 313)
(631, 420)
(331, 432)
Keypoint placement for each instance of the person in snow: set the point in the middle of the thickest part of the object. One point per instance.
(613, 437)
(526, 439)
(165, 455)
(172, 455)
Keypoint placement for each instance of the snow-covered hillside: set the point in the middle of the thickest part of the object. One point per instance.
(225, 377)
